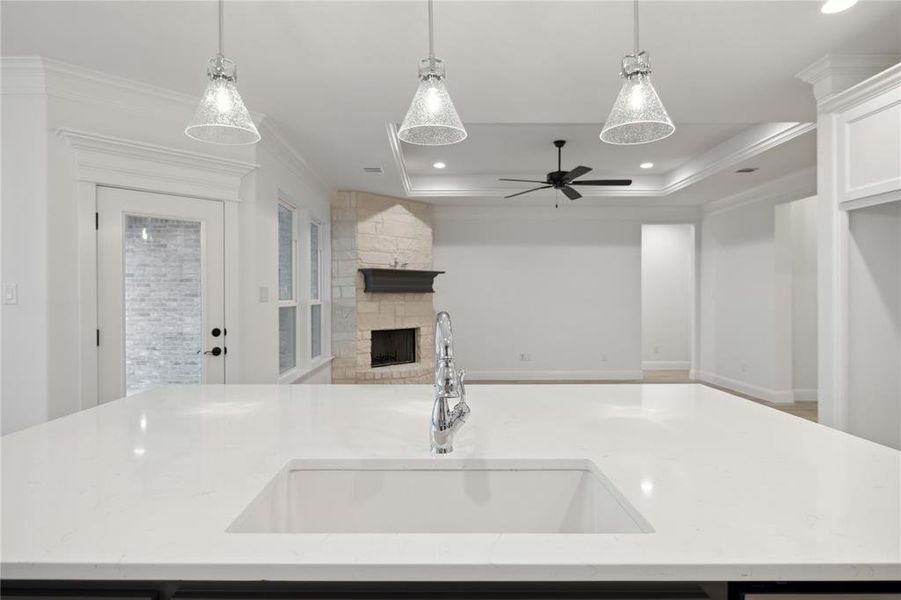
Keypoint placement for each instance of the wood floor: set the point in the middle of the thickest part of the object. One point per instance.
(805, 410)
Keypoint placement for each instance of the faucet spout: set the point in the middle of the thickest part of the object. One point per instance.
(448, 385)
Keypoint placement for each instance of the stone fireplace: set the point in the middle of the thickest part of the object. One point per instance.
(380, 337)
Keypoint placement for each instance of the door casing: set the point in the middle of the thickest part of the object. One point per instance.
(101, 160)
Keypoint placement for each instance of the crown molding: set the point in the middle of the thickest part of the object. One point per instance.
(751, 143)
(747, 144)
(22, 75)
(835, 73)
(38, 75)
(80, 84)
(645, 214)
(289, 155)
(865, 90)
(398, 154)
(787, 188)
(117, 162)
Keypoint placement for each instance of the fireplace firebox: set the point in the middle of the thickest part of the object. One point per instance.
(393, 347)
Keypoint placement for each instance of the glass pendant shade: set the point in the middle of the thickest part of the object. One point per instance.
(432, 119)
(638, 116)
(221, 117)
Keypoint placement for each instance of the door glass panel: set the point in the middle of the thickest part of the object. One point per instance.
(163, 322)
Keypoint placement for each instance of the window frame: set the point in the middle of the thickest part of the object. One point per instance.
(305, 362)
(294, 300)
(317, 300)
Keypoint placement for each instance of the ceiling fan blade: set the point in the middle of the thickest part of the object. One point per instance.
(571, 193)
(522, 180)
(544, 187)
(603, 182)
(577, 172)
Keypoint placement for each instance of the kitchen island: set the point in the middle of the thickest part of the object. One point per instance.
(147, 488)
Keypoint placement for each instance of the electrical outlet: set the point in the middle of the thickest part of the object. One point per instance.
(603, 358)
(525, 357)
(656, 349)
(264, 294)
(744, 367)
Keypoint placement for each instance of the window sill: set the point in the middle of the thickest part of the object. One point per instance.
(292, 376)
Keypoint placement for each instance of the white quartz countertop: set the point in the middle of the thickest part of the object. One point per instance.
(145, 487)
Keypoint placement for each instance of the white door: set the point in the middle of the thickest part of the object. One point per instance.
(161, 291)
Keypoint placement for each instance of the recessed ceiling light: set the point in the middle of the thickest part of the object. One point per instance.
(748, 170)
(830, 7)
(646, 165)
(439, 165)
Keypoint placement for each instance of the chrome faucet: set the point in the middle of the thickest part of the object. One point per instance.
(448, 384)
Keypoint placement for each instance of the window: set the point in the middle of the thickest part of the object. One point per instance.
(287, 289)
(302, 334)
(315, 295)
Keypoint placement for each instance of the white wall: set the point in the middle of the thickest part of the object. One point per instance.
(874, 324)
(804, 297)
(667, 295)
(746, 285)
(562, 286)
(738, 298)
(41, 339)
(279, 177)
(24, 257)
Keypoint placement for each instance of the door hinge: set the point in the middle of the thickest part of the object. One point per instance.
(97, 221)
(98, 337)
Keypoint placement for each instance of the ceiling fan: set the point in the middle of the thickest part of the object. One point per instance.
(564, 180)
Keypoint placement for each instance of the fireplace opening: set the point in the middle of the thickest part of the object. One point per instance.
(393, 347)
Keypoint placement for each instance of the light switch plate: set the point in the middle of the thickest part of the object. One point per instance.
(264, 294)
(10, 293)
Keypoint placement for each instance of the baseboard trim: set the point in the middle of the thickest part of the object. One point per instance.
(551, 375)
(806, 395)
(762, 393)
(665, 365)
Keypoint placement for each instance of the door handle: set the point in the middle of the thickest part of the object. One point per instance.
(216, 351)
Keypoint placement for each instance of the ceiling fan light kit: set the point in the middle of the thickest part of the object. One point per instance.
(221, 117)
(638, 115)
(432, 119)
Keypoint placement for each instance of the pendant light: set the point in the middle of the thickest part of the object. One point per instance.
(638, 116)
(431, 119)
(221, 116)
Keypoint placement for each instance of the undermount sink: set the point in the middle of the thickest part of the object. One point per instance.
(440, 496)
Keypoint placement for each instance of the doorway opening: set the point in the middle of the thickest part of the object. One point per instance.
(795, 345)
(667, 301)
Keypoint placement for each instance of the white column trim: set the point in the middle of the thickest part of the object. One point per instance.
(832, 74)
(840, 84)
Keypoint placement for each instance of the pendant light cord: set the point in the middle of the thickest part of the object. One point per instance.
(431, 31)
(635, 9)
(221, 26)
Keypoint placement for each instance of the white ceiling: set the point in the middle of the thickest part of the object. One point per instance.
(522, 73)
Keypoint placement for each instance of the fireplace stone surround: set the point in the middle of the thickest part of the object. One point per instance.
(373, 231)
